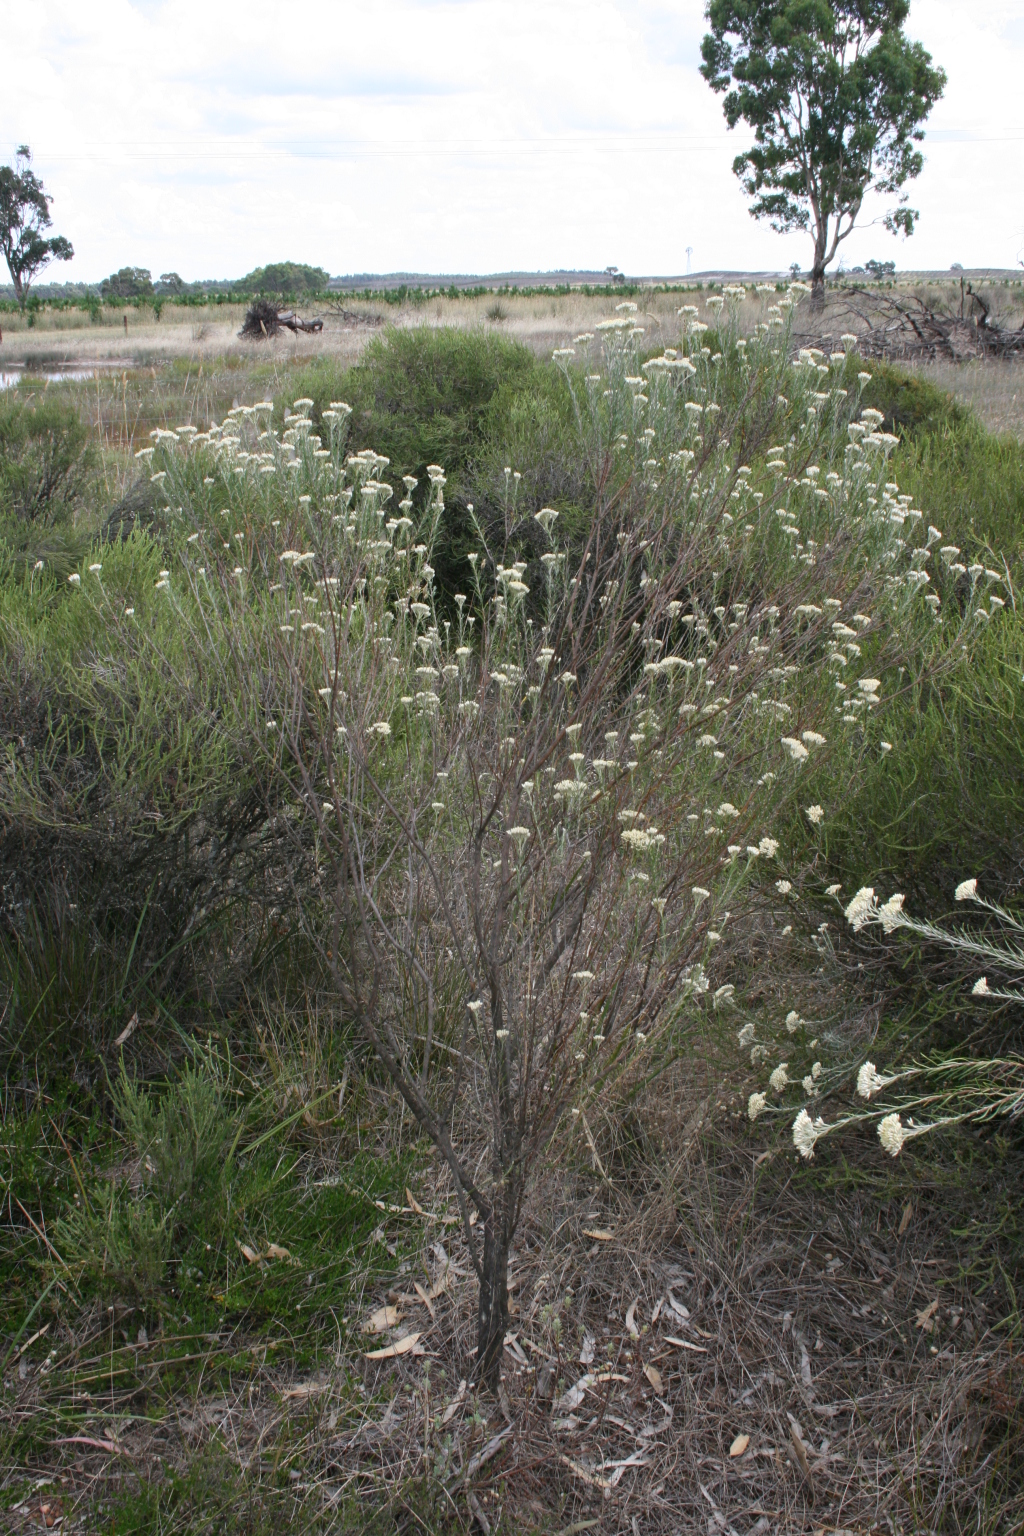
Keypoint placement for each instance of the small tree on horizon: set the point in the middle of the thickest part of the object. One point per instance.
(24, 214)
(836, 94)
(128, 283)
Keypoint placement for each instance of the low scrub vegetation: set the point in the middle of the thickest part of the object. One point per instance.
(456, 1063)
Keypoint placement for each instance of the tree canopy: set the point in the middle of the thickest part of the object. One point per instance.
(836, 94)
(24, 214)
(128, 283)
(293, 277)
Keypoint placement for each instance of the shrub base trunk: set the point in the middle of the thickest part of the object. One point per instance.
(492, 1311)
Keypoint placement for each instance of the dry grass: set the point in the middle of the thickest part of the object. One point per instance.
(64, 340)
(993, 388)
(834, 1326)
(207, 339)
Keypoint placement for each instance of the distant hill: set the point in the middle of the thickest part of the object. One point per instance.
(559, 278)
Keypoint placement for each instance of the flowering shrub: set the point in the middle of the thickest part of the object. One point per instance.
(519, 825)
(949, 1091)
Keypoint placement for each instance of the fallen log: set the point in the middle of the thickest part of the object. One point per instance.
(295, 324)
(264, 319)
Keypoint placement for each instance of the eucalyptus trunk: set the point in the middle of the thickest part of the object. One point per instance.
(818, 275)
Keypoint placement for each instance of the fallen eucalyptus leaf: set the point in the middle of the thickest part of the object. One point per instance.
(926, 1317)
(382, 1319)
(400, 1347)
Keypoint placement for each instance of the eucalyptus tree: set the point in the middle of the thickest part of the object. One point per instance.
(836, 94)
(24, 215)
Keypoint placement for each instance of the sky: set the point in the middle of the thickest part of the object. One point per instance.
(455, 136)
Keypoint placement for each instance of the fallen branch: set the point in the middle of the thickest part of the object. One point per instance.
(906, 328)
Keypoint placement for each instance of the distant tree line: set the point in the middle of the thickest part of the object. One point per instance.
(136, 286)
(284, 278)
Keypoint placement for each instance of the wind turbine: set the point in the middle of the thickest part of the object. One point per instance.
(689, 260)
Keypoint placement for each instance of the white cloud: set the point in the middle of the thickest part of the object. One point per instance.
(478, 136)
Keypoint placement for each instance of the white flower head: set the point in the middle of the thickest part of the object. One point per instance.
(797, 751)
(746, 1034)
(768, 846)
(870, 1081)
(793, 1021)
(981, 987)
(475, 1007)
(783, 887)
(806, 1132)
(815, 815)
(861, 908)
(779, 1078)
(891, 1134)
(967, 890)
(699, 894)
(890, 913)
(755, 1104)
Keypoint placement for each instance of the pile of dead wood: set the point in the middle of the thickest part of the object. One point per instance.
(264, 319)
(904, 327)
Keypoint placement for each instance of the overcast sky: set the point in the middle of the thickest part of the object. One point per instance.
(210, 136)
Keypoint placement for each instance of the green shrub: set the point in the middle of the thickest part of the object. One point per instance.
(180, 1148)
(909, 403)
(421, 396)
(45, 460)
(969, 481)
(130, 808)
(117, 1245)
(435, 396)
(185, 1139)
(948, 801)
(530, 427)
